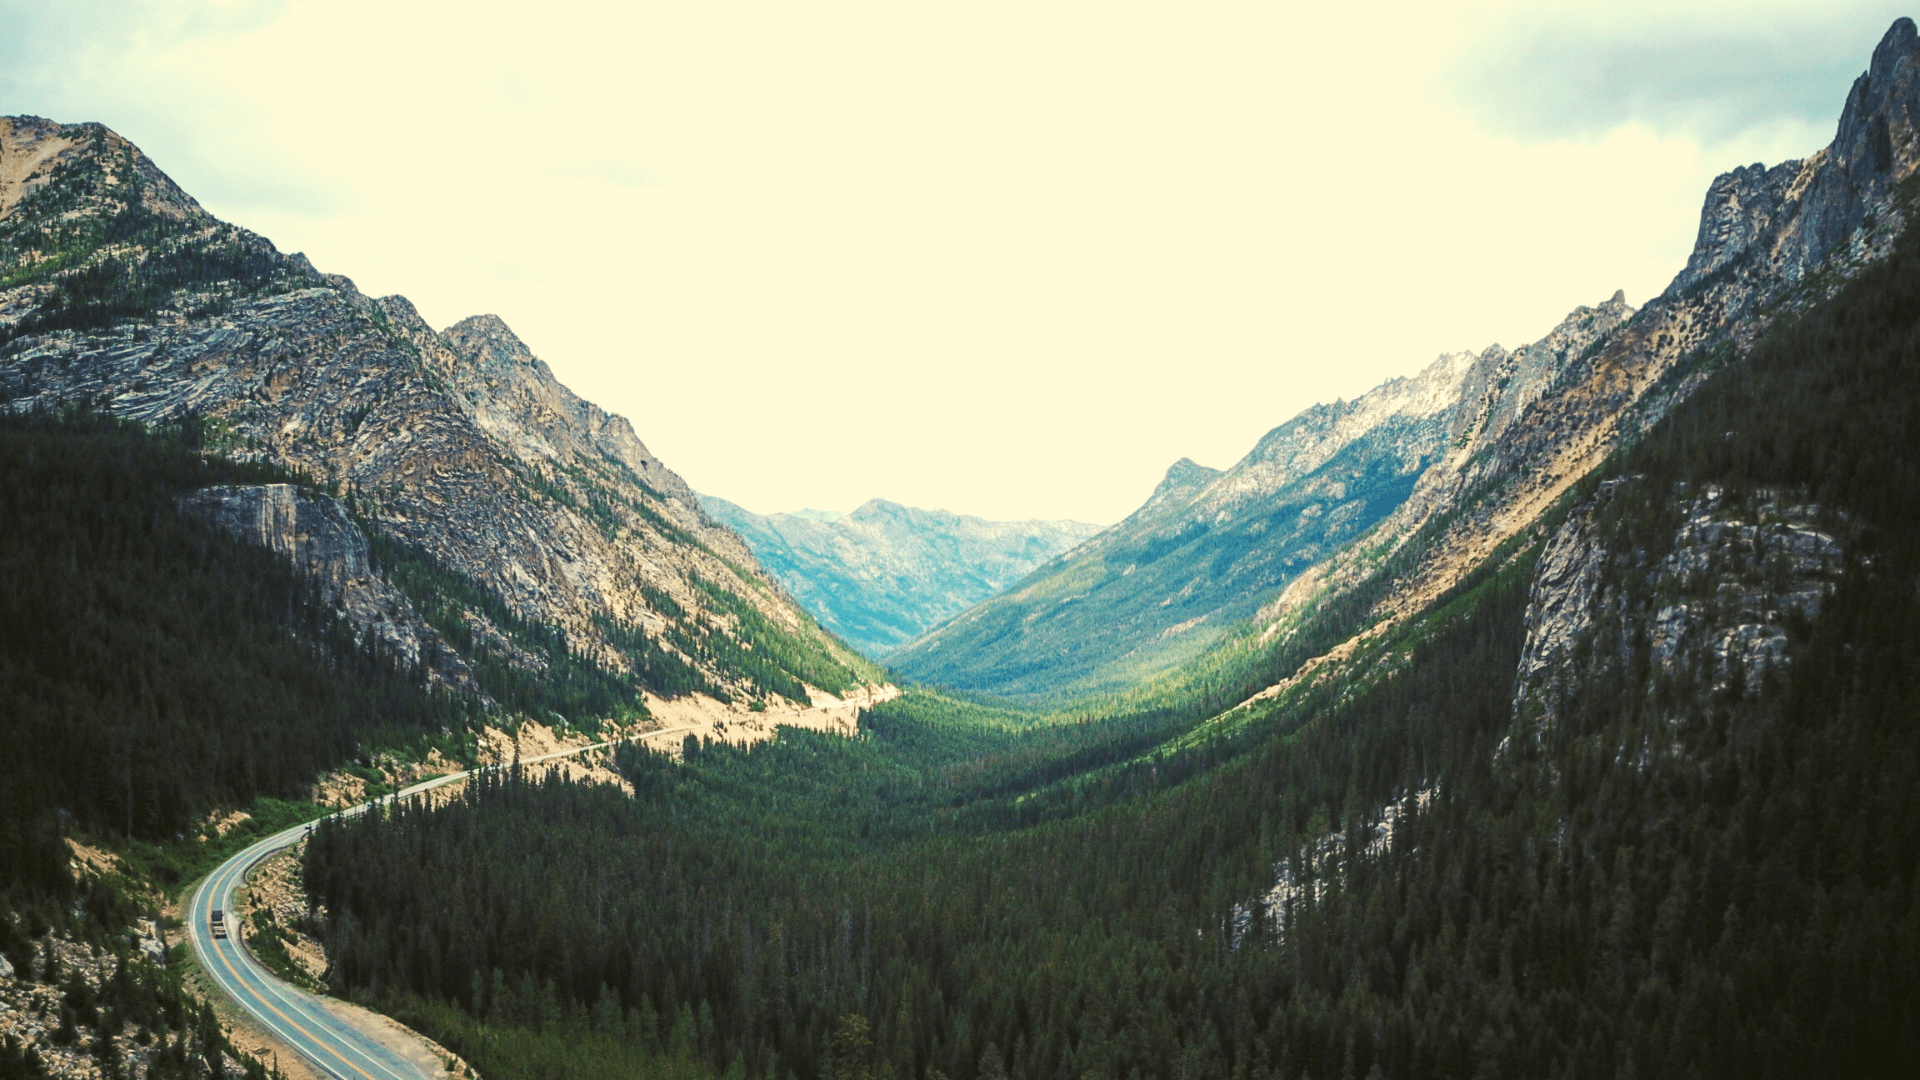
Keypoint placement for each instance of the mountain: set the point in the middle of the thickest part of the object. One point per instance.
(1464, 456)
(1772, 244)
(886, 573)
(563, 566)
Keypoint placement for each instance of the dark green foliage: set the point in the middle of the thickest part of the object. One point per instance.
(778, 660)
(658, 669)
(1701, 884)
(105, 292)
(151, 667)
(579, 1045)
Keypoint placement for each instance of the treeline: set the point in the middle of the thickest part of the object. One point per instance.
(581, 687)
(588, 683)
(153, 667)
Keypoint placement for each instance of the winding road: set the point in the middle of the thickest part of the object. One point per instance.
(329, 1040)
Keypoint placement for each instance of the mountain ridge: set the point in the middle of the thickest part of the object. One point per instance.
(1209, 547)
(118, 292)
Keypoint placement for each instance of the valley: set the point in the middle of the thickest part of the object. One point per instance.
(1542, 713)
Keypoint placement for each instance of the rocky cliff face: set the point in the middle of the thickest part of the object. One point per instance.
(316, 534)
(117, 291)
(886, 572)
(1771, 242)
(1710, 612)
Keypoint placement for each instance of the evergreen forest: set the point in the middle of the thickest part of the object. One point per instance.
(1667, 881)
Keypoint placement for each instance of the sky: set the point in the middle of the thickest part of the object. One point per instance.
(1005, 259)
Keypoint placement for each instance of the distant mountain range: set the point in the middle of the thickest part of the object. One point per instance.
(886, 572)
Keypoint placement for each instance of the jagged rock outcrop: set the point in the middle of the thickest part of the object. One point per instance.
(117, 291)
(317, 535)
(886, 572)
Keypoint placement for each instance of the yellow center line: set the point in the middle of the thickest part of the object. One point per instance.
(233, 876)
(290, 1022)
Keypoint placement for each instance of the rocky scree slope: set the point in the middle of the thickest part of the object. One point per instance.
(886, 572)
(1433, 476)
(524, 516)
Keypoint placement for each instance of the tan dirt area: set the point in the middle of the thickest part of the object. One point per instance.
(276, 886)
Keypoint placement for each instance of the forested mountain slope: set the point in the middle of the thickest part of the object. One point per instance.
(496, 496)
(887, 572)
(154, 668)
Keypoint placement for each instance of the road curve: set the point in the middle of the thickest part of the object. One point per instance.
(331, 1042)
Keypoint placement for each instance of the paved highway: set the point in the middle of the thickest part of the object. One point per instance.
(330, 1041)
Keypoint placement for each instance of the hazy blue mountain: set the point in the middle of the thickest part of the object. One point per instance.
(886, 572)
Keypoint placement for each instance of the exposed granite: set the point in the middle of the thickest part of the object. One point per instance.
(316, 534)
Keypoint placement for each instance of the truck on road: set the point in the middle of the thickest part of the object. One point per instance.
(219, 923)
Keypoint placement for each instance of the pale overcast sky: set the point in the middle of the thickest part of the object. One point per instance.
(1010, 259)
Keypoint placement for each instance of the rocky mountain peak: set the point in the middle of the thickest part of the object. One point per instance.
(33, 151)
(1880, 109)
(1798, 213)
(1185, 479)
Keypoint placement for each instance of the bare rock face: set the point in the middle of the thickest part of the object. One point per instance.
(1741, 206)
(316, 534)
(1713, 613)
(460, 444)
(1796, 215)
